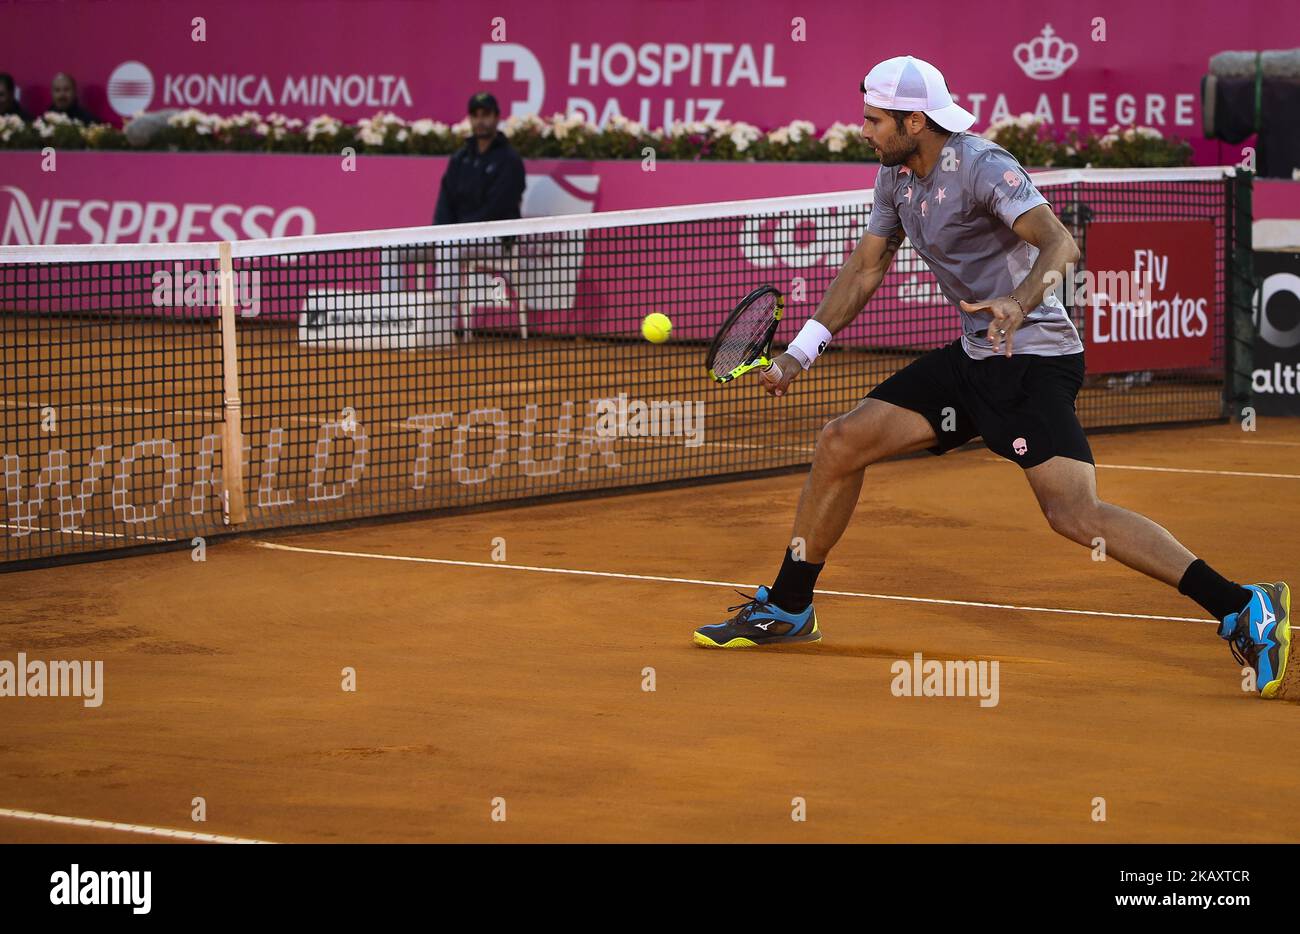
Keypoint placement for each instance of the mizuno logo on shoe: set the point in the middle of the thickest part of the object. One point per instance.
(764, 626)
(1268, 620)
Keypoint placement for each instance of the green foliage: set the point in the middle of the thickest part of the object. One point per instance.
(1119, 147)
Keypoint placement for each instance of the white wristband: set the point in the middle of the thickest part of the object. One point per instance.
(811, 343)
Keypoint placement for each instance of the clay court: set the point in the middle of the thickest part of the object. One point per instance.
(523, 679)
(502, 651)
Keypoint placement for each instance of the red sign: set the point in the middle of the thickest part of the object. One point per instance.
(1150, 302)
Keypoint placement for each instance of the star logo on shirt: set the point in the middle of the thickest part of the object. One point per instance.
(939, 196)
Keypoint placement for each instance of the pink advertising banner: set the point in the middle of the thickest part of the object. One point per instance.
(148, 197)
(765, 62)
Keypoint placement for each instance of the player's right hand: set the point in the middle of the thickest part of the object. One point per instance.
(777, 378)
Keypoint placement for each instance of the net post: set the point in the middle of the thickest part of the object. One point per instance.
(1239, 327)
(232, 439)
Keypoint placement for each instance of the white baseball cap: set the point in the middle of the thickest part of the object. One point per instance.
(907, 83)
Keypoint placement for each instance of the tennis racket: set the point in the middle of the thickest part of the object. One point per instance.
(744, 342)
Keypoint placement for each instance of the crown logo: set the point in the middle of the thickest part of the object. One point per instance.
(1046, 56)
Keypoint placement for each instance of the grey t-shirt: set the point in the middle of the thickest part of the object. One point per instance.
(958, 218)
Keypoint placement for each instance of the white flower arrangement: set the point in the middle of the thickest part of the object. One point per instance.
(201, 123)
(189, 118)
(563, 127)
(621, 124)
(799, 129)
(373, 131)
(281, 126)
(1141, 132)
(249, 121)
(680, 128)
(323, 126)
(512, 125)
(837, 136)
(9, 125)
(742, 135)
(1026, 121)
(428, 127)
(792, 134)
(1128, 134)
(537, 135)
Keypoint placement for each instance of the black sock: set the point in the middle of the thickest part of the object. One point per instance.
(1218, 595)
(793, 590)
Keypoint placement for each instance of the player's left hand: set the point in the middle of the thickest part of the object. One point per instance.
(1007, 317)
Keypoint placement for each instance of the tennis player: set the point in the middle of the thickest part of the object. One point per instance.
(991, 239)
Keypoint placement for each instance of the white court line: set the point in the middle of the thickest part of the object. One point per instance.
(125, 828)
(707, 583)
(1194, 470)
(1217, 473)
(1289, 444)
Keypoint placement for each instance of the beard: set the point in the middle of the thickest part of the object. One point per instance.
(900, 155)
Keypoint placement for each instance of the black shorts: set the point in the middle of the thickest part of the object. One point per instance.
(1023, 407)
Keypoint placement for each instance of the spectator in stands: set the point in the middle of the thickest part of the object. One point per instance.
(484, 180)
(9, 106)
(63, 99)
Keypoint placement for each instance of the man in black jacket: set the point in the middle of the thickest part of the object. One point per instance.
(484, 180)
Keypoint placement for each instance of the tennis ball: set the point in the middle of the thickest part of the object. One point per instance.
(656, 327)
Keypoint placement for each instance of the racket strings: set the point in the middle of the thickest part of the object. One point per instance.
(744, 340)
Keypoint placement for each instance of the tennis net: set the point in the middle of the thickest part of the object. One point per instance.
(154, 393)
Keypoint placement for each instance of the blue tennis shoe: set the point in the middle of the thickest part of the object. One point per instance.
(760, 623)
(1260, 635)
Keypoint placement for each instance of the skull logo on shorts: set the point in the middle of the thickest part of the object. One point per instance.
(1019, 446)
